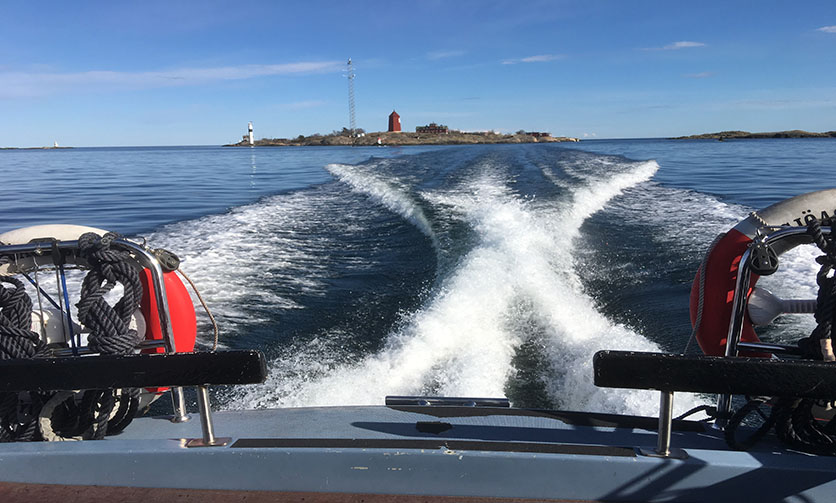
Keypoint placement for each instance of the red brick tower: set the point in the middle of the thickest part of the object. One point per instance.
(394, 122)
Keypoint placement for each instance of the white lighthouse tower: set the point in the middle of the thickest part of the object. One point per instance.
(250, 130)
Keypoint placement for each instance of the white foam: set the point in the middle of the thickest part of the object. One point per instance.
(387, 191)
(684, 219)
(462, 343)
(230, 255)
(260, 257)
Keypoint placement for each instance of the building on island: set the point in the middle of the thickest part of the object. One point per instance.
(538, 134)
(394, 122)
(433, 128)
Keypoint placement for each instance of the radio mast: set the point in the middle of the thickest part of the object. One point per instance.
(352, 125)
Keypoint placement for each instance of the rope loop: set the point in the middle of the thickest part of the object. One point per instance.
(109, 326)
(753, 405)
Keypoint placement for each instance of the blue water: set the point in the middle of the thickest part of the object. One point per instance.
(754, 173)
(137, 189)
(459, 270)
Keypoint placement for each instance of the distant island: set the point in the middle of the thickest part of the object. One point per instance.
(344, 138)
(746, 135)
(33, 148)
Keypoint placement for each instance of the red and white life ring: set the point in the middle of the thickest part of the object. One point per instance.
(722, 265)
(181, 309)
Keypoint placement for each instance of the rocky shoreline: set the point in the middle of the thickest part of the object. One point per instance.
(403, 138)
(746, 135)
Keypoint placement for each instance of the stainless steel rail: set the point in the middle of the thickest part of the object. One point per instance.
(778, 234)
(663, 439)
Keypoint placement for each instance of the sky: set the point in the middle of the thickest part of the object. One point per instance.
(123, 73)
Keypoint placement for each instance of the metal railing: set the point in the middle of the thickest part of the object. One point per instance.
(789, 236)
(40, 254)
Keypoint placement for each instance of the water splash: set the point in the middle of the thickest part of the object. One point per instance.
(464, 340)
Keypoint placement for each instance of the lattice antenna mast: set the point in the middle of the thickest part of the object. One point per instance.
(352, 125)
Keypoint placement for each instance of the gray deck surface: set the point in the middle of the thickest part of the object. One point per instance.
(381, 450)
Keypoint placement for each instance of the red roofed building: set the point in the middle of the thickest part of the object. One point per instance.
(394, 122)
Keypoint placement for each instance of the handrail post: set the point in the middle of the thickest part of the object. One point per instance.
(663, 445)
(178, 402)
(744, 276)
(208, 428)
(663, 440)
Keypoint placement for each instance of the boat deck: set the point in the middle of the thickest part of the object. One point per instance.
(430, 451)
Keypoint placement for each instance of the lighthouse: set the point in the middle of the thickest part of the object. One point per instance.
(250, 130)
(394, 122)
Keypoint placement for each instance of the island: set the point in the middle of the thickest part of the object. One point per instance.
(345, 138)
(34, 148)
(746, 135)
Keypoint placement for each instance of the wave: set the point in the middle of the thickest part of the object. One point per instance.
(515, 286)
(242, 254)
(387, 191)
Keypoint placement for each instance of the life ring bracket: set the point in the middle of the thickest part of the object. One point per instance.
(787, 235)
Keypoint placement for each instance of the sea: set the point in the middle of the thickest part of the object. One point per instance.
(479, 270)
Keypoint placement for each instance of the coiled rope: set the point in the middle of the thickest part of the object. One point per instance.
(63, 415)
(18, 410)
(16, 338)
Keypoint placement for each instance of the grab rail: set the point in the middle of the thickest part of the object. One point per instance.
(710, 374)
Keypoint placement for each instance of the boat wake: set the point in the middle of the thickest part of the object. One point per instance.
(389, 193)
(498, 276)
(513, 297)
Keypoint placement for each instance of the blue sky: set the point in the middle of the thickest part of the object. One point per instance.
(193, 73)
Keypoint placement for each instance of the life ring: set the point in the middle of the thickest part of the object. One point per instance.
(723, 261)
(181, 309)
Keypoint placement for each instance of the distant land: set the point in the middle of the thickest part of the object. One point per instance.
(729, 135)
(33, 148)
(403, 138)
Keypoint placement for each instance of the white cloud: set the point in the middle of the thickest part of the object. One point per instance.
(700, 75)
(675, 46)
(19, 84)
(541, 58)
(827, 29)
(445, 54)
